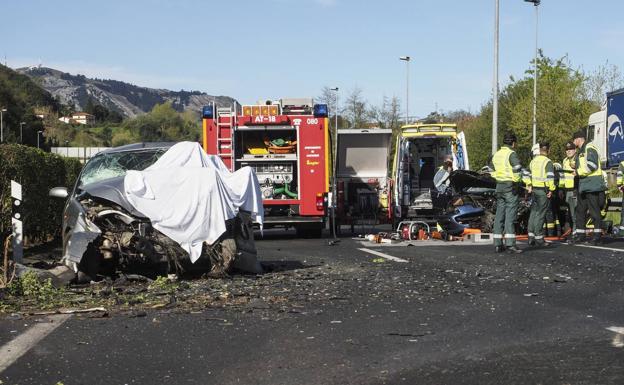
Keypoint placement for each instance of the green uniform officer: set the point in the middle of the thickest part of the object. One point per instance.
(568, 185)
(542, 188)
(591, 188)
(507, 172)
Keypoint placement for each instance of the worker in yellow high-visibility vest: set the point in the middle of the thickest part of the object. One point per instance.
(507, 172)
(567, 185)
(591, 187)
(542, 189)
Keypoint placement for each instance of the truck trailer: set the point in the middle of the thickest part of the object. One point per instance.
(286, 143)
(606, 132)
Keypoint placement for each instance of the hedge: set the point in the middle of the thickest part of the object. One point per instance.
(37, 171)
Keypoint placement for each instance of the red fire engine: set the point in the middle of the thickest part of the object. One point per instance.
(286, 142)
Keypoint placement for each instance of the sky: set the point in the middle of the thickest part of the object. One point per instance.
(269, 49)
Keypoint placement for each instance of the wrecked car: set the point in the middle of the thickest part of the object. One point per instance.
(159, 208)
(471, 203)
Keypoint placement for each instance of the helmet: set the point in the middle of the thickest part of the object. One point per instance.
(535, 150)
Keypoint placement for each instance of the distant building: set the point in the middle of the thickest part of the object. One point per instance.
(78, 118)
(83, 118)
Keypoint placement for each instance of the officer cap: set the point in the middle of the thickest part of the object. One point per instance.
(579, 134)
(509, 138)
(570, 146)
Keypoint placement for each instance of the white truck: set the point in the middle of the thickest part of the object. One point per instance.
(605, 130)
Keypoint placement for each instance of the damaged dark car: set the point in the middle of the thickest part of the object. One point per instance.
(103, 233)
(471, 203)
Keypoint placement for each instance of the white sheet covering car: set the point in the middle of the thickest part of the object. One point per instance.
(188, 195)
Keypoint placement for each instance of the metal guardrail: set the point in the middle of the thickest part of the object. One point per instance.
(82, 153)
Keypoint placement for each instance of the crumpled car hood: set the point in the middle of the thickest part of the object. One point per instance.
(112, 190)
(464, 179)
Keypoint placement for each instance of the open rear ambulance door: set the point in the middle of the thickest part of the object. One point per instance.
(461, 153)
(362, 175)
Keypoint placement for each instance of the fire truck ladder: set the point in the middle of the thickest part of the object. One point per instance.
(225, 119)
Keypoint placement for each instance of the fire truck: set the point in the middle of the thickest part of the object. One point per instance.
(286, 142)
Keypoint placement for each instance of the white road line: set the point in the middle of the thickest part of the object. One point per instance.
(14, 349)
(382, 255)
(602, 248)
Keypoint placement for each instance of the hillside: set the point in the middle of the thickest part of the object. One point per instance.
(127, 99)
(22, 99)
(16, 89)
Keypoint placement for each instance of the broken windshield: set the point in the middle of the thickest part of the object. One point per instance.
(110, 165)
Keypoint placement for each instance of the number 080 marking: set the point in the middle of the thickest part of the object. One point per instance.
(312, 121)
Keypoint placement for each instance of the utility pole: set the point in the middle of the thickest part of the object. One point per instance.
(334, 166)
(2, 125)
(406, 59)
(21, 132)
(535, 4)
(495, 85)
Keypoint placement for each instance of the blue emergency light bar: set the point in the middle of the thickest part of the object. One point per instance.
(207, 112)
(320, 110)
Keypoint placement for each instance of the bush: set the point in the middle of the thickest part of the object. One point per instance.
(37, 172)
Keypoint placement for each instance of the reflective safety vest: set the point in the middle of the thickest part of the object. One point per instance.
(503, 171)
(558, 175)
(567, 181)
(583, 169)
(539, 176)
(620, 174)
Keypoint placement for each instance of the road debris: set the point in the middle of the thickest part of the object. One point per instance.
(69, 311)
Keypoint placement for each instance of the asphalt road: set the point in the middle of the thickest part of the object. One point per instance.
(453, 313)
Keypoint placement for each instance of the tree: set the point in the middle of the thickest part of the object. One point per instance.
(329, 97)
(164, 123)
(355, 108)
(606, 78)
(562, 109)
(124, 137)
(386, 115)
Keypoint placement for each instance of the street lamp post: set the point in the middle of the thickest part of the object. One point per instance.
(406, 59)
(334, 168)
(21, 132)
(535, 4)
(495, 85)
(38, 133)
(2, 125)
